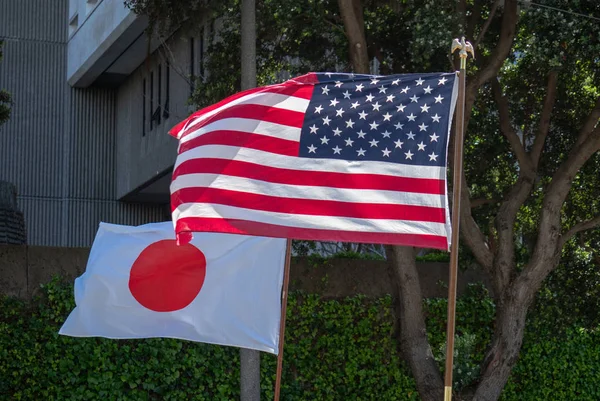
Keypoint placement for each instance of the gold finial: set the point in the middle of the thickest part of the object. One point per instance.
(465, 48)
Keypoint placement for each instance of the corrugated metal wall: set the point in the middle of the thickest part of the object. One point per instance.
(59, 147)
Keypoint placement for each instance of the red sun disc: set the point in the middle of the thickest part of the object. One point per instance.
(166, 277)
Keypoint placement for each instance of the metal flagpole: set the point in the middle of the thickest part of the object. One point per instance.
(465, 48)
(284, 296)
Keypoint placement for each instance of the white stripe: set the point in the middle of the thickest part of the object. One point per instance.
(309, 221)
(301, 163)
(305, 192)
(278, 100)
(247, 125)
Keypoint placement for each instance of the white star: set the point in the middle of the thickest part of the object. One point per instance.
(338, 84)
(395, 82)
(425, 108)
(433, 157)
(326, 120)
(361, 134)
(411, 117)
(346, 95)
(434, 137)
(405, 90)
(414, 99)
(325, 90)
(337, 150)
(399, 143)
(318, 109)
(386, 152)
(312, 149)
(376, 106)
(419, 81)
(337, 131)
(350, 124)
(374, 125)
(374, 143)
(386, 134)
(313, 129)
(374, 81)
(390, 98)
(409, 155)
(398, 126)
(339, 112)
(354, 105)
(360, 152)
(421, 146)
(359, 88)
(400, 108)
(436, 118)
(349, 142)
(410, 135)
(382, 89)
(423, 127)
(370, 97)
(442, 81)
(438, 99)
(427, 90)
(324, 140)
(334, 102)
(362, 115)
(387, 116)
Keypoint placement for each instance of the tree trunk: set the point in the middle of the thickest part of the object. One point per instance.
(410, 322)
(503, 354)
(352, 15)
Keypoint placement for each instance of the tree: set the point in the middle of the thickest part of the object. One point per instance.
(532, 110)
(5, 98)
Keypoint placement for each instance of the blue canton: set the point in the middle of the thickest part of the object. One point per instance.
(395, 118)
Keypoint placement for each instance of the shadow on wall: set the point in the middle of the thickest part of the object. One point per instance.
(12, 223)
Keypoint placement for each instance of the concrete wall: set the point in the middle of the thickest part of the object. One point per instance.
(23, 269)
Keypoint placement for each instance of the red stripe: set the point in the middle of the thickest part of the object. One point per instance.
(245, 140)
(303, 91)
(313, 207)
(311, 178)
(254, 112)
(233, 226)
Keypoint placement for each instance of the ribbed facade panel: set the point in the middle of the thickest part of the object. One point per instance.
(83, 217)
(42, 20)
(43, 219)
(92, 144)
(31, 141)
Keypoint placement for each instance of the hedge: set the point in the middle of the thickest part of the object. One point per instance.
(334, 350)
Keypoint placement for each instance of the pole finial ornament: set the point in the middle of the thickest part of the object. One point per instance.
(465, 48)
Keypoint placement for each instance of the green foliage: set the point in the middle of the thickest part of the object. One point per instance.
(5, 98)
(334, 350)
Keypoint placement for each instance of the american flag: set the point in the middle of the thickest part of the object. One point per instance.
(324, 156)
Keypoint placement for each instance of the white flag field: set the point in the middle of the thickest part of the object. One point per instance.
(220, 288)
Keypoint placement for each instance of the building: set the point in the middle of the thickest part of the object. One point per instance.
(93, 101)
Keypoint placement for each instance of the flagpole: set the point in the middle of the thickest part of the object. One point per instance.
(465, 48)
(284, 296)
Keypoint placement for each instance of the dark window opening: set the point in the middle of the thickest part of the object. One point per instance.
(167, 89)
(201, 55)
(151, 99)
(144, 107)
(192, 62)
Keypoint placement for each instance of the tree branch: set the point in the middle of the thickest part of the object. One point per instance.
(544, 126)
(475, 203)
(590, 122)
(508, 130)
(582, 226)
(486, 25)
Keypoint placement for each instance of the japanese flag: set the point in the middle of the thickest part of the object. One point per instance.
(220, 288)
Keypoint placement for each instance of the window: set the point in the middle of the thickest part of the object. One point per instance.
(73, 24)
(156, 115)
(151, 98)
(167, 89)
(144, 107)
